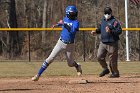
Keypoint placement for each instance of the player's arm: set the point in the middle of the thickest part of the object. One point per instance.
(67, 27)
(60, 23)
(72, 28)
(75, 27)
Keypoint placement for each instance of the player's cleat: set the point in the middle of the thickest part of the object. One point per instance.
(79, 70)
(35, 78)
(104, 72)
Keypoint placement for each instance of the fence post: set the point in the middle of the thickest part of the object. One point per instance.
(84, 48)
(139, 46)
(29, 55)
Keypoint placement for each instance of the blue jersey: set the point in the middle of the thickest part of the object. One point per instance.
(69, 29)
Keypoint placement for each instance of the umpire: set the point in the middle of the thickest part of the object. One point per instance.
(109, 29)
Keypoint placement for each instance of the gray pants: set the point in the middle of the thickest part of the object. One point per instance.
(69, 48)
(112, 50)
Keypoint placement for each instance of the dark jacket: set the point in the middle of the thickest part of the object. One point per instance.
(113, 25)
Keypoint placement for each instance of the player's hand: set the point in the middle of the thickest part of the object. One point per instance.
(93, 33)
(53, 26)
(107, 29)
(61, 22)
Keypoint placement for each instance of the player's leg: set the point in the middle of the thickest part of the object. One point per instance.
(69, 56)
(101, 59)
(58, 47)
(113, 60)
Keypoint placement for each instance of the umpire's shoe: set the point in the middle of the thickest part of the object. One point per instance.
(114, 75)
(79, 70)
(104, 72)
(35, 78)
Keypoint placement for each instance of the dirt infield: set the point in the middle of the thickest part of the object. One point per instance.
(60, 84)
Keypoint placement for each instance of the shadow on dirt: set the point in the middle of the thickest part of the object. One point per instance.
(132, 77)
(17, 89)
(111, 82)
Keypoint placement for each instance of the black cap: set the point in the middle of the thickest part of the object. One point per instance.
(107, 10)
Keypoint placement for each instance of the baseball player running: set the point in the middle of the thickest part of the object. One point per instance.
(70, 26)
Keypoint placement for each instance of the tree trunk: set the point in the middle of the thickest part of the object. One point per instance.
(44, 21)
(13, 41)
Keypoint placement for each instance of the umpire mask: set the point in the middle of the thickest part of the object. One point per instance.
(107, 16)
(107, 12)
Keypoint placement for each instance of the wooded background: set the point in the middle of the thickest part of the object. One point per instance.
(15, 45)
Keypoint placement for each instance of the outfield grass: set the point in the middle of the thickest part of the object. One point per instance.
(28, 69)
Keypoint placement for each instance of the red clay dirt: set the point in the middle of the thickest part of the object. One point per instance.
(60, 84)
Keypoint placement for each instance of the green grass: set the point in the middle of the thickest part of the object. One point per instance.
(28, 69)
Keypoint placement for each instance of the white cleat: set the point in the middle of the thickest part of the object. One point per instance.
(79, 70)
(35, 78)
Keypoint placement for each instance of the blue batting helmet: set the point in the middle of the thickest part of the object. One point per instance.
(71, 12)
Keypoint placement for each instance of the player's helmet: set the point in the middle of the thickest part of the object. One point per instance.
(71, 12)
